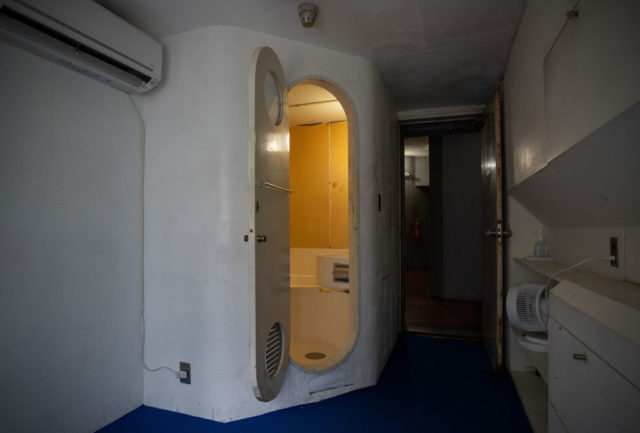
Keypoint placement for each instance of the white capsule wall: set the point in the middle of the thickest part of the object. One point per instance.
(196, 186)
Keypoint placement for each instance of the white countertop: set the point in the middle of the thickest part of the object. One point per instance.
(614, 303)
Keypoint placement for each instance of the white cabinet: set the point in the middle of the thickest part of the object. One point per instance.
(588, 394)
(555, 425)
(591, 71)
(593, 366)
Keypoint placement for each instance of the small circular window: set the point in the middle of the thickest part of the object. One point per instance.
(273, 98)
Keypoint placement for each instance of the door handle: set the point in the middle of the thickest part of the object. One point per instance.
(499, 233)
(261, 238)
(580, 356)
(267, 184)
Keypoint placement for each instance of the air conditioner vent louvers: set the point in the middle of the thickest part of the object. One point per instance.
(55, 40)
(85, 37)
(273, 350)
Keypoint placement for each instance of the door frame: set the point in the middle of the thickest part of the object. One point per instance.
(495, 344)
(440, 122)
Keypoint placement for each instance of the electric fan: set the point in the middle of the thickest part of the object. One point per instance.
(528, 308)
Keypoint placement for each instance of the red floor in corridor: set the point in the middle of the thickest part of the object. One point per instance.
(443, 317)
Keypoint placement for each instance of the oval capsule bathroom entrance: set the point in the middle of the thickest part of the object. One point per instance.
(303, 292)
(323, 290)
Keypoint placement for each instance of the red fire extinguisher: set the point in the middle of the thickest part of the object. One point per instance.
(416, 229)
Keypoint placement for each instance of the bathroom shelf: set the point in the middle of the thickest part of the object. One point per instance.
(617, 290)
(614, 303)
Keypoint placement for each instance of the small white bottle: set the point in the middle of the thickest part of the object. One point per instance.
(541, 249)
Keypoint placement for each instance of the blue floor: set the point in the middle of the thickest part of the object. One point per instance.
(428, 385)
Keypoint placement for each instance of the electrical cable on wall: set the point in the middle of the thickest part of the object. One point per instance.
(179, 374)
(568, 268)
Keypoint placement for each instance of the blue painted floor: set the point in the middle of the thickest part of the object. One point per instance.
(428, 385)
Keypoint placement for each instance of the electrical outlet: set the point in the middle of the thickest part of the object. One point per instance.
(185, 366)
(613, 251)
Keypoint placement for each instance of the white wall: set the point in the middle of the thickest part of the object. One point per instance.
(522, 223)
(70, 249)
(196, 183)
(573, 244)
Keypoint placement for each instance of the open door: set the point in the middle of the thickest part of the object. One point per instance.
(495, 231)
(268, 225)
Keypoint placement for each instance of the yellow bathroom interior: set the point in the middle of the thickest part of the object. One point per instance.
(319, 176)
(319, 227)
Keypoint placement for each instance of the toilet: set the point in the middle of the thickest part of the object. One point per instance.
(533, 341)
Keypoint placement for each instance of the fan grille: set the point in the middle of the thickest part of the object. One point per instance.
(526, 306)
(273, 350)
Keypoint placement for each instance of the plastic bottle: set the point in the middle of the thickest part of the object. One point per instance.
(541, 249)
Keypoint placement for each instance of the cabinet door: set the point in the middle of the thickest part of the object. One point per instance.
(591, 71)
(588, 394)
(555, 424)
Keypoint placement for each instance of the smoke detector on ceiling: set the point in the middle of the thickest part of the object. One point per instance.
(307, 12)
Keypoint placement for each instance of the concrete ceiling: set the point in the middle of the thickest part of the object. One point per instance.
(432, 53)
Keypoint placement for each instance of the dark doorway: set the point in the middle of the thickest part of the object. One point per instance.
(442, 228)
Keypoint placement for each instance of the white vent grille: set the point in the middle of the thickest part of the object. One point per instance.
(341, 272)
(273, 350)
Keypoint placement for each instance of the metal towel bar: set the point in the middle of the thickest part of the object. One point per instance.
(270, 185)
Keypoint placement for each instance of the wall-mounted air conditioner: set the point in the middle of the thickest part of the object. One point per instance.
(84, 36)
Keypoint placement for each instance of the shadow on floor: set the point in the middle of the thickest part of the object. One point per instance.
(428, 385)
(422, 313)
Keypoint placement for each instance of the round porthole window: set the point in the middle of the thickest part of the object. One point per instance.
(273, 98)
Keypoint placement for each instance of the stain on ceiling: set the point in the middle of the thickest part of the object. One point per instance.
(431, 53)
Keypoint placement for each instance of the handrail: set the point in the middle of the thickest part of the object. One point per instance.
(270, 185)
